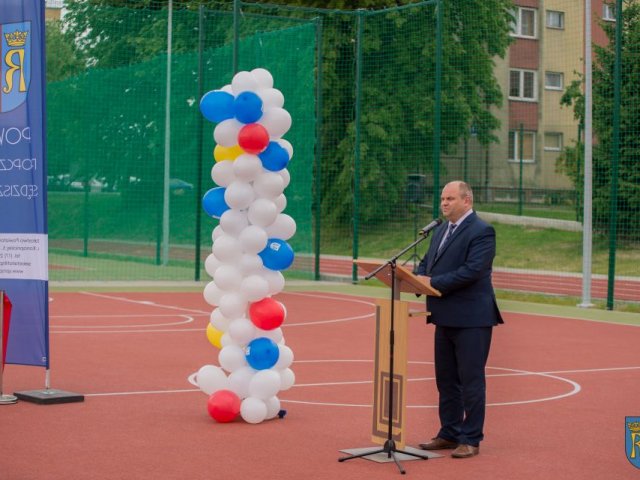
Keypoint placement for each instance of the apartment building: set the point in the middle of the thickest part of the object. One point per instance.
(546, 55)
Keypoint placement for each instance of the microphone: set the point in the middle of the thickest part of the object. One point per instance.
(431, 226)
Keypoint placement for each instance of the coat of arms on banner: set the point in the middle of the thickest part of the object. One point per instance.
(15, 64)
(632, 440)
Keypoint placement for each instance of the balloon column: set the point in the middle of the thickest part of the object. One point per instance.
(249, 250)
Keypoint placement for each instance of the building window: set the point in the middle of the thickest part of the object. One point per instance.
(555, 19)
(522, 85)
(528, 146)
(525, 23)
(553, 81)
(609, 12)
(553, 141)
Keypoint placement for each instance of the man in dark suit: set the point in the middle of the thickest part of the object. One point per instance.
(458, 264)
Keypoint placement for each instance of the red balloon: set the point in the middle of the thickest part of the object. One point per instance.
(267, 313)
(253, 138)
(223, 406)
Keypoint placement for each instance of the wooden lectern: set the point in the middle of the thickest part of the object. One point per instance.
(407, 282)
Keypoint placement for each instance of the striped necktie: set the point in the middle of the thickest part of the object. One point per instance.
(452, 227)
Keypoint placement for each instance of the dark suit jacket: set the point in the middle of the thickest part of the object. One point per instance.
(462, 273)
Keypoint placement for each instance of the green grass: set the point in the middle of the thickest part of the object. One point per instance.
(517, 247)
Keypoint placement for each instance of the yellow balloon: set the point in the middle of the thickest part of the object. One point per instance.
(221, 153)
(214, 336)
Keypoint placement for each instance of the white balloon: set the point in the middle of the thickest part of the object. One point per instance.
(276, 334)
(211, 378)
(239, 195)
(243, 82)
(263, 77)
(233, 305)
(218, 320)
(273, 407)
(283, 227)
(262, 212)
(268, 185)
(228, 277)
(217, 233)
(240, 379)
(226, 132)
(242, 330)
(286, 177)
(212, 294)
(247, 167)
(287, 379)
(281, 203)
(211, 264)
(287, 146)
(222, 173)
(231, 358)
(264, 384)
(225, 339)
(253, 410)
(250, 263)
(253, 239)
(254, 287)
(285, 357)
(234, 221)
(226, 248)
(275, 279)
(271, 97)
(277, 121)
(227, 88)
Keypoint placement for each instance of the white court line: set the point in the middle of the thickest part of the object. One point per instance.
(188, 319)
(550, 374)
(143, 302)
(513, 372)
(78, 329)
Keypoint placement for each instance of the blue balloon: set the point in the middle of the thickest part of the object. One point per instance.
(213, 202)
(217, 105)
(277, 255)
(248, 107)
(275, 157)
(262, 353)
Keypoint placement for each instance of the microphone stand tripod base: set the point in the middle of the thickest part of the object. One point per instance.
(388, 453)
(378, 454)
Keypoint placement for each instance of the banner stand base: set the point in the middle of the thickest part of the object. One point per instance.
(49, 396)
(8, 399)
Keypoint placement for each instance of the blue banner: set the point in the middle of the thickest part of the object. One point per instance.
(23, 176)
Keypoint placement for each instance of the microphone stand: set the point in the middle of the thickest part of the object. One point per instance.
(390, 445)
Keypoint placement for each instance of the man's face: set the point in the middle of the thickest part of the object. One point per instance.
(452, 204)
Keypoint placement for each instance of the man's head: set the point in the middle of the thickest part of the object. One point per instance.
(456, 200)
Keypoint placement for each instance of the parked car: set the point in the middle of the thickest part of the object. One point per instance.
(179, 187)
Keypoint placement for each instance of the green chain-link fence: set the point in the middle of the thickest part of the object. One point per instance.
(107, 142)
(388, 106)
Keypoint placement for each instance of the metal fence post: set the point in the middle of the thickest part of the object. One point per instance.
(356, 152)
(615, 154)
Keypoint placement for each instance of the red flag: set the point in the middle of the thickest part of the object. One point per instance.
(6, 313)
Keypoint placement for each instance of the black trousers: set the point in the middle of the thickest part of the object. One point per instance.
(460, 358)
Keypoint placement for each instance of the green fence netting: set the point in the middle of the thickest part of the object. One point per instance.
(106, 143)
(388, 105)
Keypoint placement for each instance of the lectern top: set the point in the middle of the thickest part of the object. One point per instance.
(405, 279)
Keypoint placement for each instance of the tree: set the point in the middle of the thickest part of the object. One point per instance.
(628, 179)
(396, 87)
(62, 59)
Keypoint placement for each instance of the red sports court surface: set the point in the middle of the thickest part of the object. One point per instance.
(558, 391)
